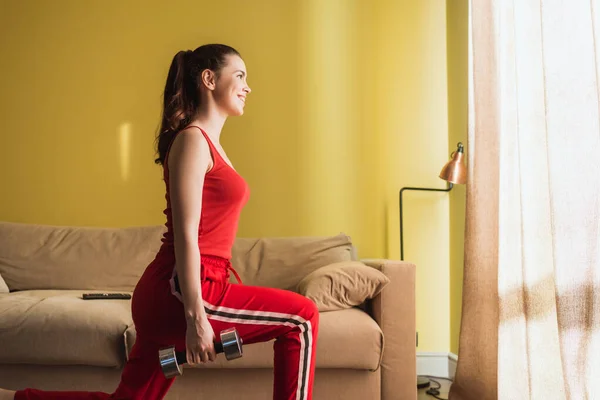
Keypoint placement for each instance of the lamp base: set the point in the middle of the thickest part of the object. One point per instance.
(422, 382)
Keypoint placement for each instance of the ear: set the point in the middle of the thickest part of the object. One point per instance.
(208, 79)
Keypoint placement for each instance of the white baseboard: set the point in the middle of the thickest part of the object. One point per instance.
(452, 361)
(436, 364)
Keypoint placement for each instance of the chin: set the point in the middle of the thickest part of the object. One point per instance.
(237, 112)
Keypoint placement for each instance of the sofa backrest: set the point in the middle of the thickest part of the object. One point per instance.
(282, 262)
(65, 257)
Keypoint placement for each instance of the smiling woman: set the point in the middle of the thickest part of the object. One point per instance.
(182, 294)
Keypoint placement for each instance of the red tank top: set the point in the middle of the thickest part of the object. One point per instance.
(224, 194)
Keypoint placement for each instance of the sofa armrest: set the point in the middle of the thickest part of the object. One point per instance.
(394, 310)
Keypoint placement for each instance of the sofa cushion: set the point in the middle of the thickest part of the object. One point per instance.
(348, 339)
(57, 327)
(342, 285)
(62, 257)
(281, 262)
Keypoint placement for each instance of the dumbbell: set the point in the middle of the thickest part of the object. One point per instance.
(171, 361)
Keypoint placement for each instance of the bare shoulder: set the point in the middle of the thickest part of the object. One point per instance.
(189, 150)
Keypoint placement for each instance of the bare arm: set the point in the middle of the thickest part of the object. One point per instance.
(189, 158)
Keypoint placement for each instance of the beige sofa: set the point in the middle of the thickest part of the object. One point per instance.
(52, 339)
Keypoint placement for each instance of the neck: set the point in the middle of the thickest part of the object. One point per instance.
(211, 121)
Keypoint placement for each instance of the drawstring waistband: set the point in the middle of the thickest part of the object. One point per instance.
(212, 268)
(230, 268)
(216, 263)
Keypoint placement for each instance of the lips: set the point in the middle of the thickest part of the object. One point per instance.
(243, 98)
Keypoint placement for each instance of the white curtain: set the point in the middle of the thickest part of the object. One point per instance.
(531, 297)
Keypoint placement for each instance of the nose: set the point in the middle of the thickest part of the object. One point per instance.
(247, 89)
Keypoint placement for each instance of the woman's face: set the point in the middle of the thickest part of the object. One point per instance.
(231, 87)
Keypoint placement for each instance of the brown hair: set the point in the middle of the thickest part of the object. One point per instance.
(181, 95)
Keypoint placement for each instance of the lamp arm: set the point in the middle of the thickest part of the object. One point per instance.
(449, 188)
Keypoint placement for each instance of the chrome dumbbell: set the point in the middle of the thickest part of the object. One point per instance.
(171, 361)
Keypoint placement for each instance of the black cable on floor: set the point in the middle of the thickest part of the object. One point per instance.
(436, 391)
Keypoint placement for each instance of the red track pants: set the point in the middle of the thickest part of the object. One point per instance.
(258, 313)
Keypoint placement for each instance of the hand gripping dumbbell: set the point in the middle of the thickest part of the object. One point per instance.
(171, 361)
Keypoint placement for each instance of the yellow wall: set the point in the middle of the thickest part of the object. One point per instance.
(349, 104)
(457, 17)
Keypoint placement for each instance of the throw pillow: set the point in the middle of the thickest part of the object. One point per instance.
(3, 286)
(342, 285)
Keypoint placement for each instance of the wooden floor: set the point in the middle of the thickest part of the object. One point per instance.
(443, 390)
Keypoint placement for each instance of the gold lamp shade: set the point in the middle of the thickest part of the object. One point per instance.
(455, 170)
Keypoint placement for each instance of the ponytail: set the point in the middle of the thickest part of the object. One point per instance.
(182, 90)
(179, 101)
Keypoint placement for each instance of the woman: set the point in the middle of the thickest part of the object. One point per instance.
(184, 295)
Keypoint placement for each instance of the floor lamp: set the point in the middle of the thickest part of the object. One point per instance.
(454, 172)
